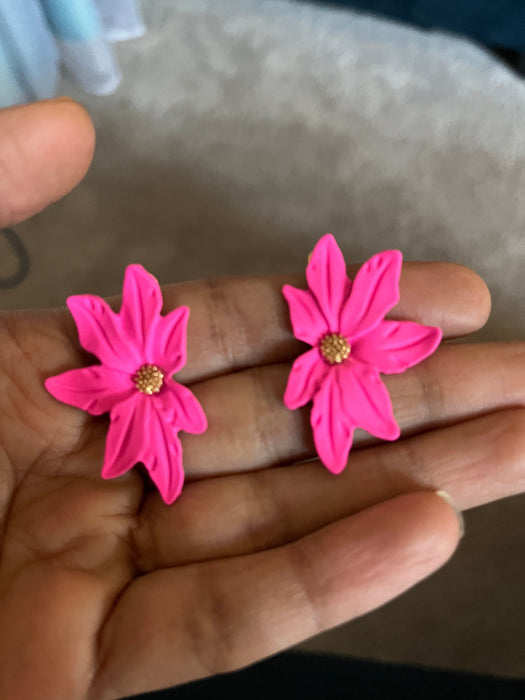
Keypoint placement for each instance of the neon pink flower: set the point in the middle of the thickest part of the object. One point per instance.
(139, 350)
(352, 344)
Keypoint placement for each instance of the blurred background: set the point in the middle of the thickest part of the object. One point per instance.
(241, 132)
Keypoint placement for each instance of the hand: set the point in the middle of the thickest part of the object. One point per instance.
(106, 592)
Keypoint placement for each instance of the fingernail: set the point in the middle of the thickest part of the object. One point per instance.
(459, 515)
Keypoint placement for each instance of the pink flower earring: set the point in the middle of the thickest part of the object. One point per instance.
(139, 350)
(352, 343)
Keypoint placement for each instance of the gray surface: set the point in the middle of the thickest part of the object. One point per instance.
(246, 129)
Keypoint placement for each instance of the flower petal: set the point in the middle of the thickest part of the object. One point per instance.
(306, 377)
(180, 408)
(141, 305)
(139, 433)
(308, 322)
(367, 401)
(127, 439)
(332, 428)
(166, 345)
(164, 458)
(375, 290)
(100, 332)
(393, 346)
(95, 389)
(327, 279)
(166, 470)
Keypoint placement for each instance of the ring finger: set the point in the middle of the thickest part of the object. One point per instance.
(476, 462)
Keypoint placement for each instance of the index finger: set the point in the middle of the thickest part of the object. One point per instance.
(241, 322)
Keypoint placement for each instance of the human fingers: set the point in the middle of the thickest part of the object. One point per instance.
(241, 322)
(476, 461)
(175, 625)
(251, 428)
(45, 150)
(237, 323)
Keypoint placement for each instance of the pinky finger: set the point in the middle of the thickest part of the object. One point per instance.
(175, 625)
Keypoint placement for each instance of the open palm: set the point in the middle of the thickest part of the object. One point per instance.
(105, 591)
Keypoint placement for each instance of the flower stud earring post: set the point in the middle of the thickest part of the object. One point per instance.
(352, 343)
(139, 350)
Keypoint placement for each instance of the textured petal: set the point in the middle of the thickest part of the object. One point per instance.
(327, 279)
(166, 345)
(180, 408)
(95, 389)
(375, 290)
(139, 433)
(127, 439)
(393, 346)
(308, 323)
(306, 377)
(164, 458)
(366, 400)
(100, 332)
(166, 470)
(141, 305)
(332, 428)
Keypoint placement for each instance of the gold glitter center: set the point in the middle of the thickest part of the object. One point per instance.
(335, 348)
(149, 379)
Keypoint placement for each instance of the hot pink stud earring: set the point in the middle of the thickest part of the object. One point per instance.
(352, 343)
(139, 350)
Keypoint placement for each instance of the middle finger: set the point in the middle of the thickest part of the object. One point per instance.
(250, 428)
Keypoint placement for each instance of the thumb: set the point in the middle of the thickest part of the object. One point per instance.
(45, 150)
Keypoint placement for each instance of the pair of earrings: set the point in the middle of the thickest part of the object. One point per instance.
(140, 350)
